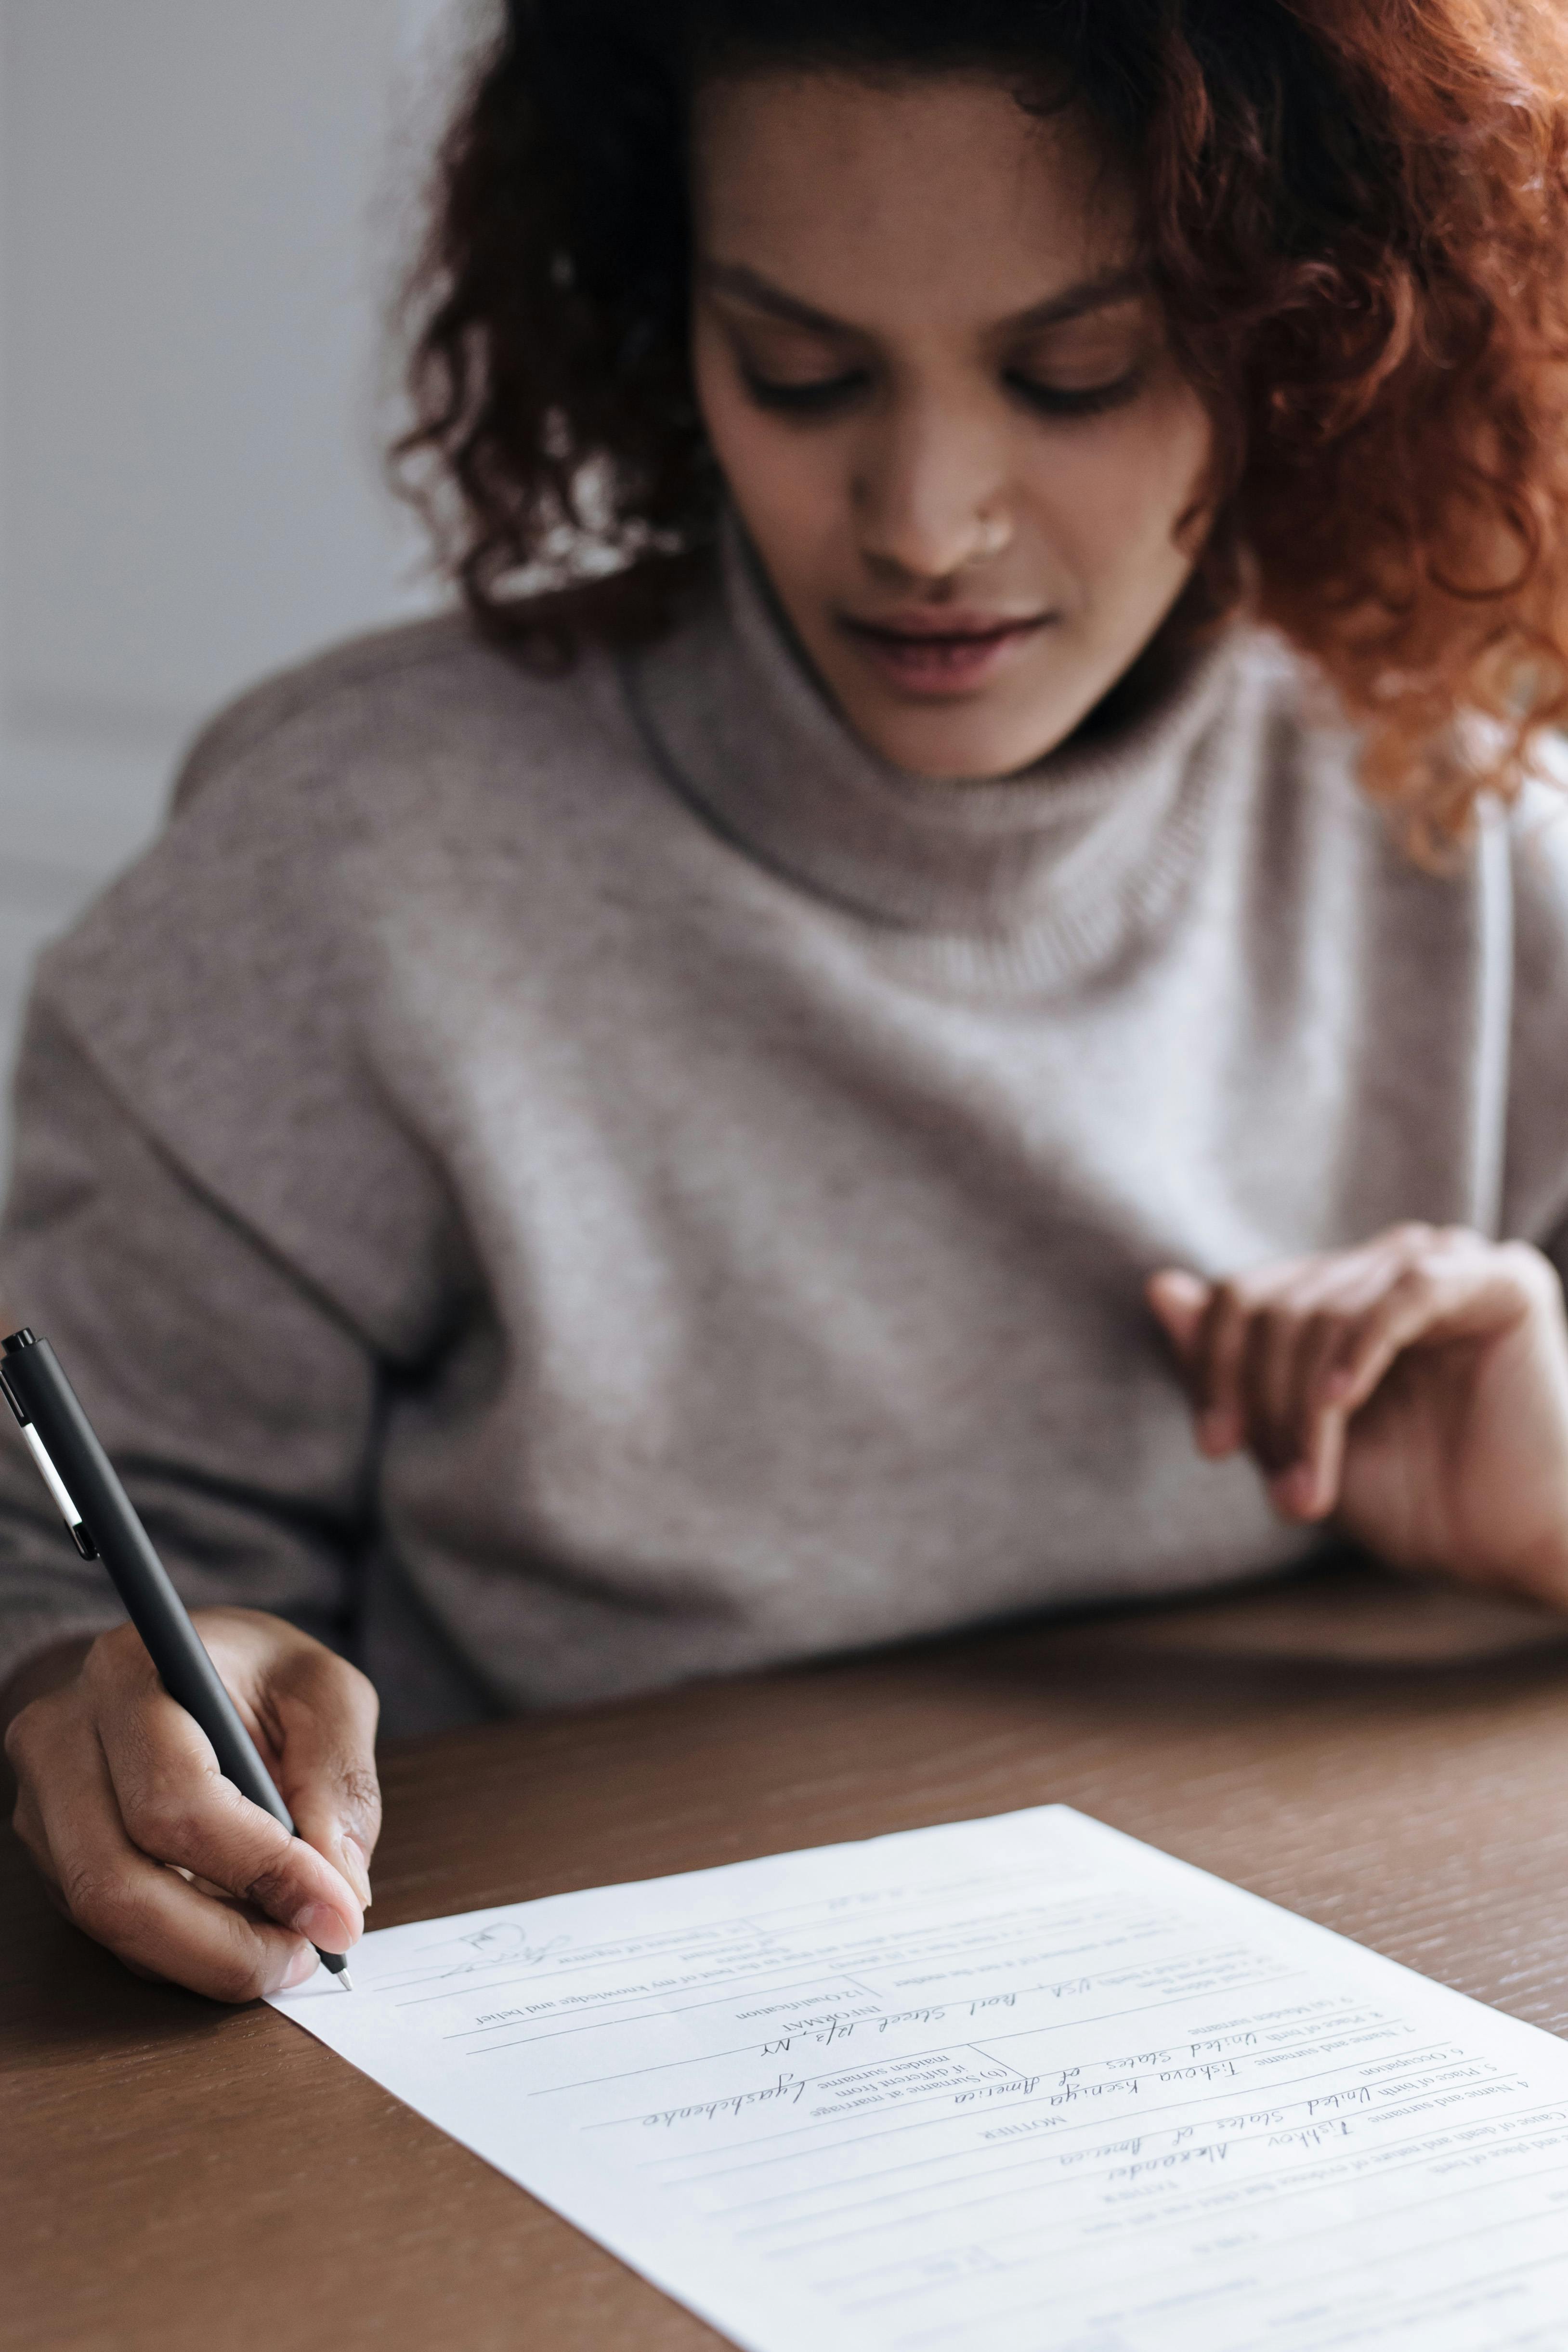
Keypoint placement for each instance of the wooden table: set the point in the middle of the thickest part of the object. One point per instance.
(1390, 1759)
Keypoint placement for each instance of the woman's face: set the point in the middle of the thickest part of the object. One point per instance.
(944, 406)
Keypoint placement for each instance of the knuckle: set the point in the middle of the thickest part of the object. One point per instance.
(105, 1901)
(364, 1696)
(23, 1738)
(362, 1793)
(326, 1680)
(350, 1676)
(273, 1890)
(239, 1973)
(1533, 1269)
(36, 1729)
(354, 1704)
(163, 1820)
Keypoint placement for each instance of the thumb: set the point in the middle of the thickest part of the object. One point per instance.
(326, 1712)
(1178, 1301)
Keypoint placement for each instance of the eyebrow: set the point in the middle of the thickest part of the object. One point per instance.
(1090, 294)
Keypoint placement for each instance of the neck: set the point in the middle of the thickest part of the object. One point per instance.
(741, 729)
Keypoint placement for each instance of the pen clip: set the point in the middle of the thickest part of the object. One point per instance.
(74, 1526)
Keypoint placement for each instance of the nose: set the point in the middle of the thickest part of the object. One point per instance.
(930, 493)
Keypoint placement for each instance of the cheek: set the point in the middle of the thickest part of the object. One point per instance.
(1113, 506)
(787, 487)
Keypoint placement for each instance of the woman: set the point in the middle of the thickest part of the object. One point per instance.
(636, 1133)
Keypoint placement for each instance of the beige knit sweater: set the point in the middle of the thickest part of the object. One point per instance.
(565, 1185)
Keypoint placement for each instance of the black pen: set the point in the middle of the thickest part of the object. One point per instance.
(98, 1511)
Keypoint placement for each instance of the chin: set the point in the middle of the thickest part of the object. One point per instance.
(962, 740)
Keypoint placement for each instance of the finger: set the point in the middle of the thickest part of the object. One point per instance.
(177, 1808)
(1449, 1295)
(1272, 1433)
(1216, 1371)
(1270, 1392)
(1321, 1449)
(1177, 1300)
(1309, 1426)
(325, 1715)
(1308, 1487)
(1322, 1474)
(149, 1917)
(1294, 1310)
(1290, 1319)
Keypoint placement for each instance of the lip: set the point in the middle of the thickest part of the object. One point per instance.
(941, 654)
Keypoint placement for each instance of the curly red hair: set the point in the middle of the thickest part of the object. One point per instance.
(1354, 212)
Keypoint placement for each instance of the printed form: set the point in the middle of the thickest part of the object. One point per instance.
(1012, 2086)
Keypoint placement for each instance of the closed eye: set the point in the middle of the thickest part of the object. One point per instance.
(1087, 400)
(817, 398)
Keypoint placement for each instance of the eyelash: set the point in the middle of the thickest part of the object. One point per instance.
(1096, 400)
(803, 399)
(820, 399)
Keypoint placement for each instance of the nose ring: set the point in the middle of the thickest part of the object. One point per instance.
(992, 533)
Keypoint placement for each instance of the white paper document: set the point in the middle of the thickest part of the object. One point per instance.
(1010, 2085)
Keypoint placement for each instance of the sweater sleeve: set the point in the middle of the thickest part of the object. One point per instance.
(237, 1402)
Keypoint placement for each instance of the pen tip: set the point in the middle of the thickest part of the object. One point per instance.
(346, 1981)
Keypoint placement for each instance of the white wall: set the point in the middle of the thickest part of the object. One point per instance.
(201, 203)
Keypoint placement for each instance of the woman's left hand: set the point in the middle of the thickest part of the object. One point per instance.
(1415, 1391)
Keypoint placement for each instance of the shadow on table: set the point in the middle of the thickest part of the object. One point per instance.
(1343, 1611)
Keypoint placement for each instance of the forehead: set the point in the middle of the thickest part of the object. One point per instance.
(914, 201)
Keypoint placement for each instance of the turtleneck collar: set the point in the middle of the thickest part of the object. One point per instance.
(1047, 868)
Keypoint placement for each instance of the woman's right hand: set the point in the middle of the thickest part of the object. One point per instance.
(150, 1850)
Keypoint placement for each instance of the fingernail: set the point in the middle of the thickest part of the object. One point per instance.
(302, 1965)
(322, 1925)
(356, 1868)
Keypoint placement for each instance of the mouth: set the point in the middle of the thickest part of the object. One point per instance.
(943, 653)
